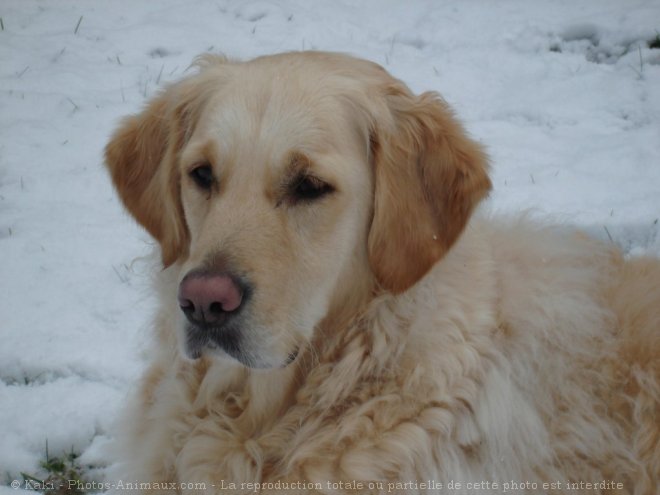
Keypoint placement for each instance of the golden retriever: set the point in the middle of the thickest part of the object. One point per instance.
(333, 319)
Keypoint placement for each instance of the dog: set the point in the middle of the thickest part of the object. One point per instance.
(336, 318)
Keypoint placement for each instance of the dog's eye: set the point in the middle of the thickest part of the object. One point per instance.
(203, 176)
(309, 188)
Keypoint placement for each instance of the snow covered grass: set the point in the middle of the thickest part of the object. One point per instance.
(565, 95)
(62, 475)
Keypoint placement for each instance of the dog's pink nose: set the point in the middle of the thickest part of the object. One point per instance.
(207, 297)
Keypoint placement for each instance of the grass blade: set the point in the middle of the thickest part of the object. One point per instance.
(75, 31)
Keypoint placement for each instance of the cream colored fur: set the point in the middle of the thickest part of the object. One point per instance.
(525, 354)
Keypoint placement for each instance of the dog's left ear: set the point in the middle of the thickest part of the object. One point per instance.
(142, 160)
(429, 176)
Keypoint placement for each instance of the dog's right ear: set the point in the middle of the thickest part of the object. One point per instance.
(142, 159)
(429, 176)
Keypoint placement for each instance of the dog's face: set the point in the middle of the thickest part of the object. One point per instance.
(290, 188)
(276, 200)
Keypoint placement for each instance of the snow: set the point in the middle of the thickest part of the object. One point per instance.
(565, 96)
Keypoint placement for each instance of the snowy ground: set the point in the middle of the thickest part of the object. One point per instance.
(564, 94)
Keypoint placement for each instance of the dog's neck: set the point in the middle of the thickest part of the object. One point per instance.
(362, 336)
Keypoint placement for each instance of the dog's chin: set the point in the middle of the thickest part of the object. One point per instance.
(199, 343)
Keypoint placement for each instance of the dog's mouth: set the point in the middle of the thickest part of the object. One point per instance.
(200, 338)
(228, 341)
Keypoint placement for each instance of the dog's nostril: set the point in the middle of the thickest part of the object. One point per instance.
(216, 308)
(186, 306)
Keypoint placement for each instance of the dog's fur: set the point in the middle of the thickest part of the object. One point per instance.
(429, 347)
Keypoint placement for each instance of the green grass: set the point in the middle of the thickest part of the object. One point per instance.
(61, 475)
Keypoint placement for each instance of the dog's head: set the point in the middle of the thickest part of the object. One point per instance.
(290, 188)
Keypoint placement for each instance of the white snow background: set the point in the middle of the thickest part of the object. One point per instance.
(564, 95)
